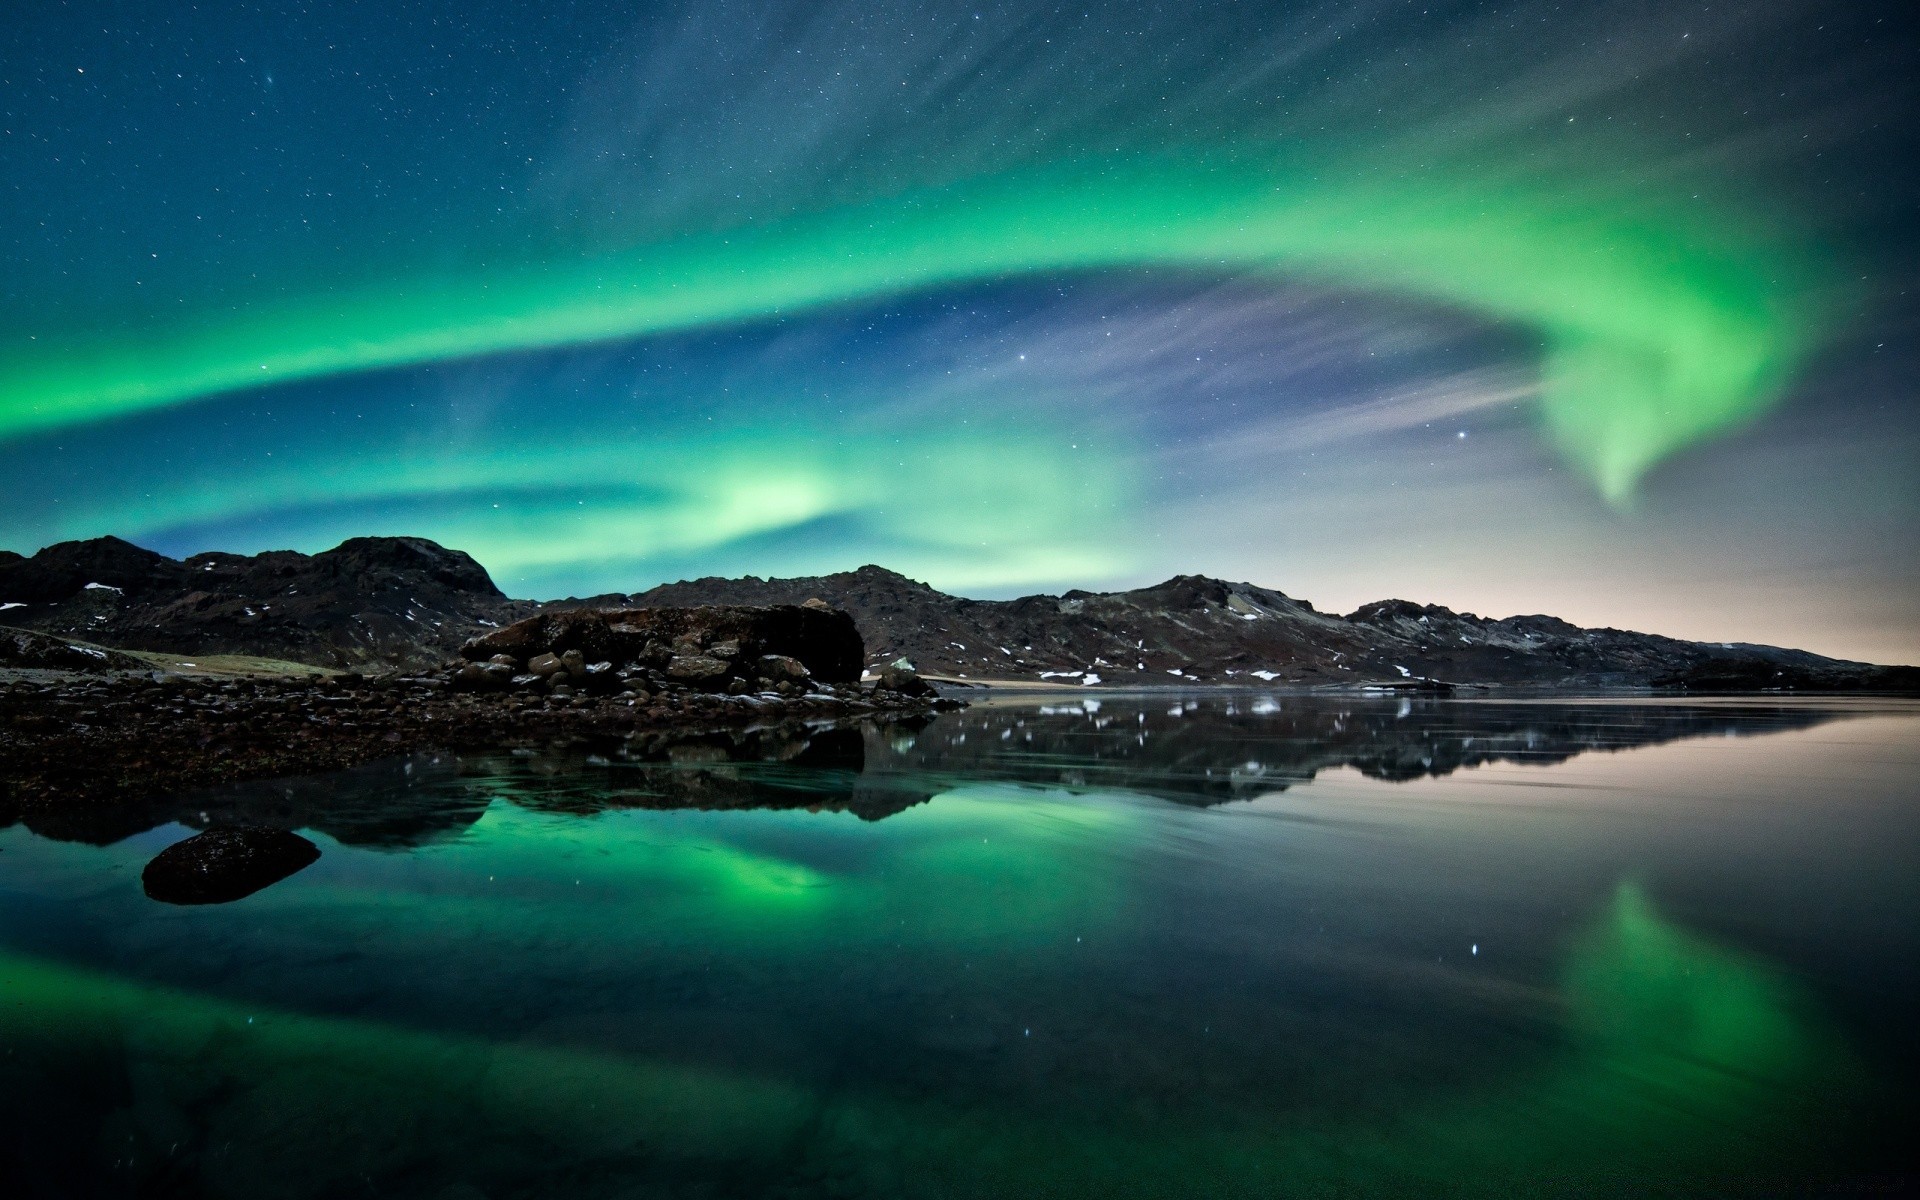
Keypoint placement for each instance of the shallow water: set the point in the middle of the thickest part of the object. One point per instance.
(1177, 946)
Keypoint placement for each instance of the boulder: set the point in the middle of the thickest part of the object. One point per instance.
(483, 677)
(698, 669)
(903, 681)
(781, 668)
(545, 664)
(823, 640)
(223, 865)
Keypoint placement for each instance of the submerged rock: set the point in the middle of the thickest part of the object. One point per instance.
(223, 865)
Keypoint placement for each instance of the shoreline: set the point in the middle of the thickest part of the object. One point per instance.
(68, 739)
(82, 739)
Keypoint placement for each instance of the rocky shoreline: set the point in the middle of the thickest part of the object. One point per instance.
(67, 739)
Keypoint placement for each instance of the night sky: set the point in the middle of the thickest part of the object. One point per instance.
(1605, 310)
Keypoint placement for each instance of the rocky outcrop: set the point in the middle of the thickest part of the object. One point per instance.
(22, 649)
(714, 648)
(224, 865)
(116, 741)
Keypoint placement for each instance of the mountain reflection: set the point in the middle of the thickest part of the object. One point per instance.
(1190, 750)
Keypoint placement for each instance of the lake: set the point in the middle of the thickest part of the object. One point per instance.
(1222, 944)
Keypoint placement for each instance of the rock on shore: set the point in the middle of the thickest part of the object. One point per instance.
(719, 648)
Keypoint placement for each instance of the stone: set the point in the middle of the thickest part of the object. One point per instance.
(823, 639)
(574, 661)
(697, 669)
(688, 644)
(728, 649)
(777, 667)
(905, 682)
(505, 660)
(223, 865)
(545, 664)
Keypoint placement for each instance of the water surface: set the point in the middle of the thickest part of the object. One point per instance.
(1220, 945)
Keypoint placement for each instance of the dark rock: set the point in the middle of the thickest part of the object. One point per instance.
(902, 680)
(545, 664)
(698, 669)
(223, 865)
(826, 642)
(21, 648)
(781, 667)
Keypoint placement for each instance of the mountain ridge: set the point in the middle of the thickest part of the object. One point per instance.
(409, 603)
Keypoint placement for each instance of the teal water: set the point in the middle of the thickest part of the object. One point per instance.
(1226, 945)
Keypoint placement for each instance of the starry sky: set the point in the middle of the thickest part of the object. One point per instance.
(1598, 309)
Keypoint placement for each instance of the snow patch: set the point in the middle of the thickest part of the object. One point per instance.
(1269, 676)
(1090, 680)
(1403, 671)
(102, 587)
(11, 604)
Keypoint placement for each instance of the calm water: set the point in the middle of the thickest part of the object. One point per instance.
(1224, 946)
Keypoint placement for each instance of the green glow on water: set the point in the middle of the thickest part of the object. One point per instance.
(1680, 1060)
(1661, 326)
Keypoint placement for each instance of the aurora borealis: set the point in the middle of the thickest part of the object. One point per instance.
(1599, 310)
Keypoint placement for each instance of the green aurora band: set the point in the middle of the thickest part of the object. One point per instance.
(1663, 323)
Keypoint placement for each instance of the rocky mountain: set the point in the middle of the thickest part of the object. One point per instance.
(1192, 629)
(395, 601)
(407, 602)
